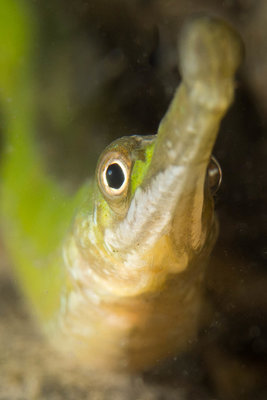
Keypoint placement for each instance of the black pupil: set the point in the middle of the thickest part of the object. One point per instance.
(115, 176)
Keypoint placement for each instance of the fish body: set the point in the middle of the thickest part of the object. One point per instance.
(119, 286)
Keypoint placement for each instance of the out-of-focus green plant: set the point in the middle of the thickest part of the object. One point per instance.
(33, 229)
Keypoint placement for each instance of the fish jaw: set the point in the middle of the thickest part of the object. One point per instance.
(173, 200)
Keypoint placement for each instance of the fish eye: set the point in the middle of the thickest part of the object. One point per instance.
(214, 175)
(114, 176)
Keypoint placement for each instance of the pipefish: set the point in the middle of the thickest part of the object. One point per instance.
(115, 274)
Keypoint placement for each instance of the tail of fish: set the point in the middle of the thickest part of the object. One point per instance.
(34, 210)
